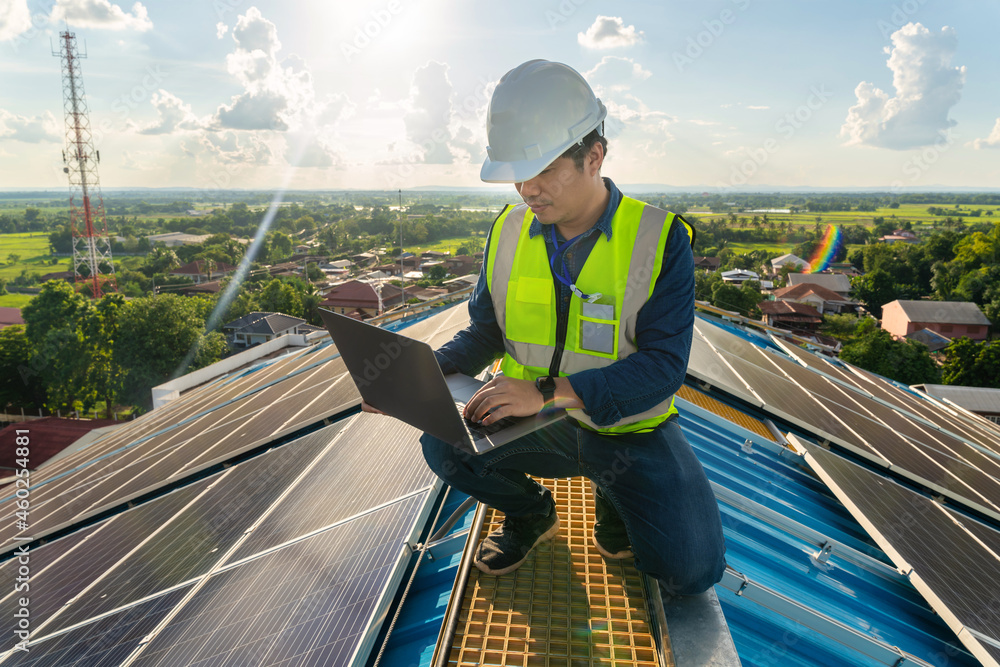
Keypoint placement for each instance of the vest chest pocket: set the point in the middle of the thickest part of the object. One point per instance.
(530, 311)
(598, 328)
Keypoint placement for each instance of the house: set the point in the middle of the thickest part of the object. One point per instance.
(434, 255)
(462, 282)
(952, 319)
(983, 401)
(211, 287)
(779, 263)
(68, 276)
(900, 236)
(175, 239)
(459, 265)
(364, 259)
(707, 263)
(934, 341)
(739, 276)
(817, 296)
(846, 268)
(256, 328)
(200, 271)
(357, 295)
(790, 315)
(835, 282)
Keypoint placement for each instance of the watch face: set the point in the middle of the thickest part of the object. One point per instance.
(546, 384)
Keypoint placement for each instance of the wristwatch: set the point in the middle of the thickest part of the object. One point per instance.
(547, 386)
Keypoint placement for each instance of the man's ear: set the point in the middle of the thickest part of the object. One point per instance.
(595, 158)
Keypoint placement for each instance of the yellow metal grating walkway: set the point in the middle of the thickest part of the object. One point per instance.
(566, 606)
(706, 402)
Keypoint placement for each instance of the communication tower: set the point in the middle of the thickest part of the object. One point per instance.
(92, 263)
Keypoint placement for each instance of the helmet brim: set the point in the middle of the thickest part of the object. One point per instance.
(494, 171)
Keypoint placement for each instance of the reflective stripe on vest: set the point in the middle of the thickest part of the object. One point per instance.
(623, 269)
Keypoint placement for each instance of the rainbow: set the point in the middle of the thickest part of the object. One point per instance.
(825, 251)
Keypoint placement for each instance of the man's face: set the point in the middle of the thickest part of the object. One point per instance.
(560, 193)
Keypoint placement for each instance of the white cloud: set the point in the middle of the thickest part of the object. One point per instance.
(31, 130)
(101, 14)
(278, 95)
(228, 148)
(14, 18)
(926, 86)
(428, 123)
(609, 32)
(140, 160)
(758, 107)
(992, 141)
(615, 73)
(174, 115)
(221, 29)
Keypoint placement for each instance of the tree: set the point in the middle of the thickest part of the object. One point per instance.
(972, 364)
(19, 384)
(280, 297)
(437, 272)
(876, 350)
(875, 289)
(104, 377)
(160, 338)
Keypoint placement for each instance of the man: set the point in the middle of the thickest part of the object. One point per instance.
(589, 297)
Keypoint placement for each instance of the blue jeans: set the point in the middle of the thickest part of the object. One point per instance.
(653, 479)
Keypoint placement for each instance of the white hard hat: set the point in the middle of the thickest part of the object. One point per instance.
(538, 110)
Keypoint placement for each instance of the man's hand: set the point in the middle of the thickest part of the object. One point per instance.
(504, 397)
(368, 408)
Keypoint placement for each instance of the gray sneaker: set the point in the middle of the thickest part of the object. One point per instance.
(610, 535)
(504, 549)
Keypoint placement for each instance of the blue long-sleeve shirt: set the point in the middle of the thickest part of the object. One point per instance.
(664, 327)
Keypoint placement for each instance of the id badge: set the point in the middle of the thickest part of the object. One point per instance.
(597, 327)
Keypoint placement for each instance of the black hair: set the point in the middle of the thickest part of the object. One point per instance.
(577, 152)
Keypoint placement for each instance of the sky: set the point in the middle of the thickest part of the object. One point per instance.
(386, 94)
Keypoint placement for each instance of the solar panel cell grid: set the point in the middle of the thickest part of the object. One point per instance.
(197, 538)
(103, 643)
(375, 460)
(259, 613)
(52, 588)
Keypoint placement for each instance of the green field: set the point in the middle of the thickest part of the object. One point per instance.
(445, 245)
(33, 251)
(15, 300)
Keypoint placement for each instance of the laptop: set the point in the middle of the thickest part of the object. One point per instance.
(401, 377)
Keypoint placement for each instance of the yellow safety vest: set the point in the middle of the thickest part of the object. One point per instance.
(622, 269)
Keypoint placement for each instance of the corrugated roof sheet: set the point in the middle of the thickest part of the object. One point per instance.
(943, 312)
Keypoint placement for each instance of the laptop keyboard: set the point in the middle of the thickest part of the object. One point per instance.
(485, 430)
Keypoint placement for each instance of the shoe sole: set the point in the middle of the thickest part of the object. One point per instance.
(544, 537)
(624, 553)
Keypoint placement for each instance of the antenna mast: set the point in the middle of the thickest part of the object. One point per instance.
(92, 263)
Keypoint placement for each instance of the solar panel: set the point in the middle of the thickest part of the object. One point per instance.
(53, 587)
(195, 539)
(310, 603)
(375, 460)
(705, 365)
(216, 435)
(951, 566)
(106, 641)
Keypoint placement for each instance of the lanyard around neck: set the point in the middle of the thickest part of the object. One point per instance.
(563, 276)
